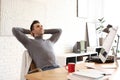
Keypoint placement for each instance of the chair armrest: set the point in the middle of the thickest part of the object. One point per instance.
(35, 70)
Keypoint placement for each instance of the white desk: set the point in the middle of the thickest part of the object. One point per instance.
(61, 73)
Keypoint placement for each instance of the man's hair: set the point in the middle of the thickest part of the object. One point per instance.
(34, 22)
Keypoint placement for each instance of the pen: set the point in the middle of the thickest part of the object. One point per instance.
(106, 74)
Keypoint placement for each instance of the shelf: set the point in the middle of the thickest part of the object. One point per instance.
(64, 59)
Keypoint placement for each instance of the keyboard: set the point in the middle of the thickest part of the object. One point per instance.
(91, 73)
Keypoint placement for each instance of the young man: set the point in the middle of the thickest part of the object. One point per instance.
(40, 50)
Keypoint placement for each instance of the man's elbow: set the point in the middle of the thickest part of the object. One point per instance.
(60, 30)
(13, 29)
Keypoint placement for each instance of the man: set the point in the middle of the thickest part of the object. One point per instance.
(40, 50)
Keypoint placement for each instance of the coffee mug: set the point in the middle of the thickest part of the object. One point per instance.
(70, 67)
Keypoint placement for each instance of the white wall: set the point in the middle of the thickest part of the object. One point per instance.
(112, 13)
(20, 13)
(10, 58)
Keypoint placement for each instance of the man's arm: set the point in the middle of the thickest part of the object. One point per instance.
(19, 33)
(55, 34)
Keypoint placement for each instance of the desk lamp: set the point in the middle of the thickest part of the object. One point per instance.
(106, 30)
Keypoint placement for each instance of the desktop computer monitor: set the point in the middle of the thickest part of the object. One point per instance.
(107, 44)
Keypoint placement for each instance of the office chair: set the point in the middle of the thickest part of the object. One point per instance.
(28, 66)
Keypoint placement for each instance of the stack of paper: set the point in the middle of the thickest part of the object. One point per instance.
(86, 74)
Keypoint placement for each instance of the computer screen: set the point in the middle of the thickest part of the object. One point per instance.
(107, 44)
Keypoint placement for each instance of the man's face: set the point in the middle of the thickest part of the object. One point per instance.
(38, 29)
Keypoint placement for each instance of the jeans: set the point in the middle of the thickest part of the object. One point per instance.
(50, 67)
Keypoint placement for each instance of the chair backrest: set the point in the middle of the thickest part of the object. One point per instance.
(26, 62)
(32, 66)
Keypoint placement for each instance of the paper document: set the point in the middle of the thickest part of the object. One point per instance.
(109, 66)
(90, 65)
(90, 73)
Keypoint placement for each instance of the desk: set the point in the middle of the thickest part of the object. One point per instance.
(61, 73)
